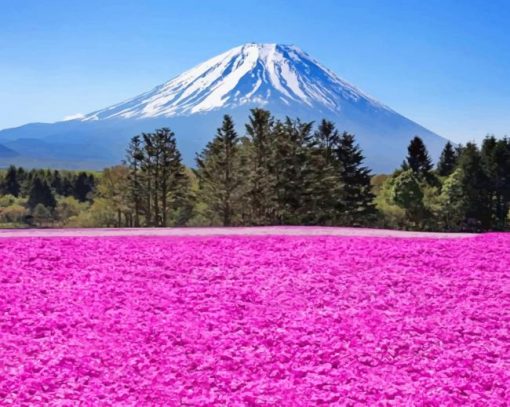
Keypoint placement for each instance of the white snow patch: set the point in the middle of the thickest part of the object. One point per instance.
(76, 116)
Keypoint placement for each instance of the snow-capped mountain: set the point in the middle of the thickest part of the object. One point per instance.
(249, 74)
(281, 78)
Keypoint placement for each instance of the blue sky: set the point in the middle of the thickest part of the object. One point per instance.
(444, 64)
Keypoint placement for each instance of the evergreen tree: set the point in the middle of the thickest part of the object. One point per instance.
(260, 175)
(134, 158)
(292, 173)
(495, 161)
(158, 181)
(40, 193)
(475, 185)
(11, 185)
(218, 173)
(169, 172)
(326, 167)
(82, 187)
(357, 202)
(447, 161)
(56, 182)
(418, 159)
(67, 187)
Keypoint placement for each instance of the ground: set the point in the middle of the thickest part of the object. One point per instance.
(297, 317)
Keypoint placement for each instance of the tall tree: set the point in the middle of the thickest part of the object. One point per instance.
(495, 161)
(134, 158)
(157, 176)
(326, 168)
(114, 187)
(260, 178)
(82, 187)
(41, 193)
(418, 159)
(357, 202)
(56, 182)
(292, 173)
(11, 185)
(447, 161)
(218, 173)
(475, 185)
(169, 171)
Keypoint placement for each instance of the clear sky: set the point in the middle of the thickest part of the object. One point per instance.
(443, 63)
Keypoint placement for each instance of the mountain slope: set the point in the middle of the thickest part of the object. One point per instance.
(249, 74)
(281, 78)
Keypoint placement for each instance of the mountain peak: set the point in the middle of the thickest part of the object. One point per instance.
(253, 74)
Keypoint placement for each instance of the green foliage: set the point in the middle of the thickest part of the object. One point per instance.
(259, 174)
(10, 184)
(12, 214)
(99, 214)
(447, 161)
(357, 200)
(292, 176)
(453, 202)
(41, 193)
(158, 185)
(69, 207)
(475, 186)
(41, 214)
(280, 172)
(219, 175)
(83, 187)
(418, 159)
(407, 194)
(325, 180)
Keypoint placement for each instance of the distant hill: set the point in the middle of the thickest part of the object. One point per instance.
(281, 78)
(6, 152)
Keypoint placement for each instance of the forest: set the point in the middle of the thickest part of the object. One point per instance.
(279, 172)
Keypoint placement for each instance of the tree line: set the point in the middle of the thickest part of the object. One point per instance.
(28, 197)
(278, 172)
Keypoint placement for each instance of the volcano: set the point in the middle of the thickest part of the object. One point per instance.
(281, 78)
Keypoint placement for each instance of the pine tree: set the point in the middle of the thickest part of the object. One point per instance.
(134, 158)
(292, 173)
(67, 185)
(447, 161)
(418, 159)
(357, 202)
(82, 187)
(326, 167)
(56, 182)
(218, 173)
(158, 181)
(40, 193)
(475, 185)
(495, 161)
(169, 171)
(260, 176)
(11, 185)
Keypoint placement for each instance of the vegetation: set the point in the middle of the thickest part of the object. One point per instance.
(279, 172)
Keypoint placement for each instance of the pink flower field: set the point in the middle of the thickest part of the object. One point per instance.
(255, 320)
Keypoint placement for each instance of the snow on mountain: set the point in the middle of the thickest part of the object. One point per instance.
(280, 78)
(248, 74)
